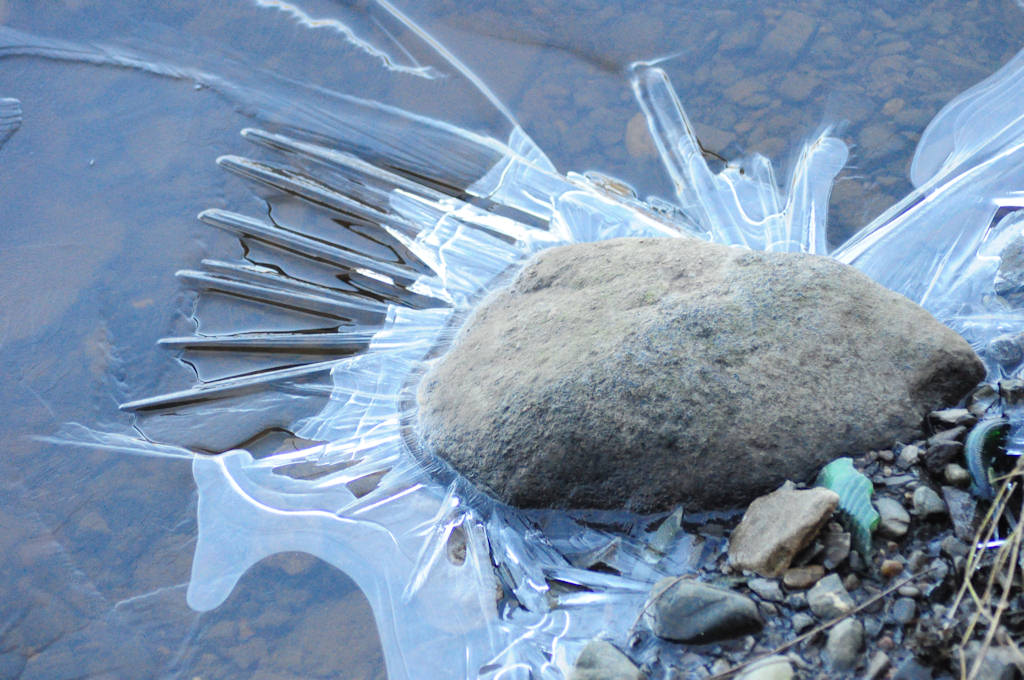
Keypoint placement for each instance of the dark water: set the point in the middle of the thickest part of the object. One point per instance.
(100, 188)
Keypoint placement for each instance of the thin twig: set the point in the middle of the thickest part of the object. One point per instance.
(823, 627)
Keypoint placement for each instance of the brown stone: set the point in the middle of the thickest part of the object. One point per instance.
(646, 373)
(778, 526)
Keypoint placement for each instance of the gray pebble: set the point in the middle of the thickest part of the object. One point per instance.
(946, 436)
(600, 660)
(844, 643)
(796, 601)
(941, 454)
(828, 598)
(766, 589)
(878, 666)
(909, 455)
(952, 547)
(873, 626)
(893, 519)
(928, 503)
(802, 622)
(688, 611)
(909, 591)
(772, 668)
(904, 610)
(917, 561)
(956, 475)
(952, 416)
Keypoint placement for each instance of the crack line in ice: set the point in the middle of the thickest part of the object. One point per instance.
(451, 59)
(350, 36)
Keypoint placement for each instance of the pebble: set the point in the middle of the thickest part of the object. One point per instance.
(878, 666)
(891, 568)
(962, 509)
(927, 503)
(904, 610)
(777, 526)
(837, 548)
(917, 560)
(766, 589)
(952, 547)
(909, 591)
(688, 611)
(941, 454)
(828, 598)
(873, 626)
(886, 643)
(981, 399)
(796, 601)
(886, 455)
(844, 643)
(802, 622)
(950, 435)
(801, 578)
(600, 660)
(851, 582)
(909, 456)
(771, 668)
(952, 416)
(956, 475)
(893, 519)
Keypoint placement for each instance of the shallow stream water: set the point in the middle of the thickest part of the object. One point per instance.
(102, 181)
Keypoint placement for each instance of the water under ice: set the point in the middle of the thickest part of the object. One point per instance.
(437, 216)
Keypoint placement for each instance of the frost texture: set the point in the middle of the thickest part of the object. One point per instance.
(495, 605)
(431, 217)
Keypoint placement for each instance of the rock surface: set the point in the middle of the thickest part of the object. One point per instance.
(893, 518)
(690, 611)
(845, 640)
(601, 660)
(644, 373)
(828, 598)
(778, 526)
(771, 668)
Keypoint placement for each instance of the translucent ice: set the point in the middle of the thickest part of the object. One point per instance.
(383, 228)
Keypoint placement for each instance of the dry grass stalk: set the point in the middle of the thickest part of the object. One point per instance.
(989, 605)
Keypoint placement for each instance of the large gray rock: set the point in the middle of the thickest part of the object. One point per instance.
(643, 373)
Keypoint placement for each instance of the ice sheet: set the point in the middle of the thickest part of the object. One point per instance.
(460, 586)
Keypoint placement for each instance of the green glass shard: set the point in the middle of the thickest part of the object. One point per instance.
(856, 513)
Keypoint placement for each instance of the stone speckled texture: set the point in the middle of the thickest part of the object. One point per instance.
(643, 373)
(778, 526)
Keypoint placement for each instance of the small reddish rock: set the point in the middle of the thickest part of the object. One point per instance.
(801, 578)
(891, 568)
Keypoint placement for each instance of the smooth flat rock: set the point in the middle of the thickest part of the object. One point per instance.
(601, 660)
(771, 668)
(690, 611)
(643, 373)
(778, 526)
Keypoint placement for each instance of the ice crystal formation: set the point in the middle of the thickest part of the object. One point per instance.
(433, 217)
